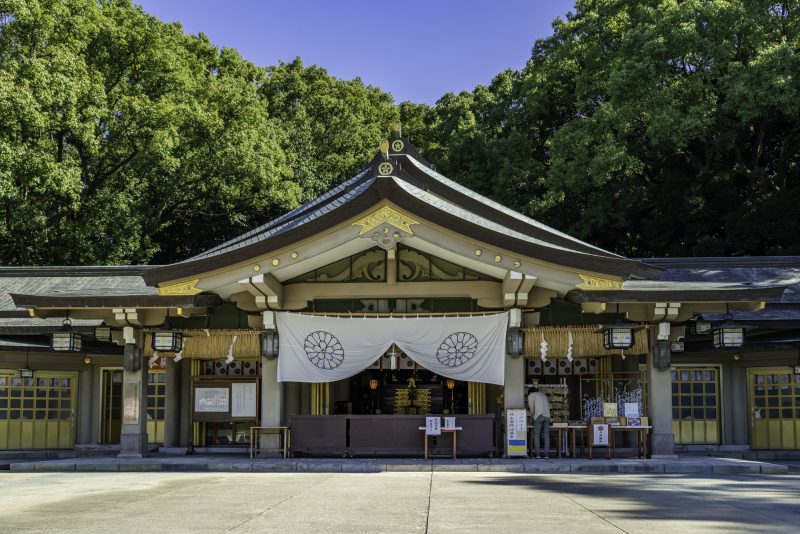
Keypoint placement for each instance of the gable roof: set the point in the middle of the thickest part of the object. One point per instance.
(418, 189)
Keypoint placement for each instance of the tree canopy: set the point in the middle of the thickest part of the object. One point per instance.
(652, 127)
(648, 127)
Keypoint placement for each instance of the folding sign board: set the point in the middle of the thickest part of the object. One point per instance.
(516, 433)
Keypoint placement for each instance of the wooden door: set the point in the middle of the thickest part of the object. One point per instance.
(774, 408)
(37, 412)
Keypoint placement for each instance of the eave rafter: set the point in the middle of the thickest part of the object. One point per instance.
(516, 287)
(266, 290)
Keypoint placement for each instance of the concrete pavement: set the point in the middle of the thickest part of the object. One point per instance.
(430, 502)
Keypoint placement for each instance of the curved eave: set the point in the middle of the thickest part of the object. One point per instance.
(436, 184)
(386, 189)
(116, 301)
(758, 294)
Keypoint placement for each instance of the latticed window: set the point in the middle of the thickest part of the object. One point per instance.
(694, 393)
(35, 398)
(156, 395)
(776, 396)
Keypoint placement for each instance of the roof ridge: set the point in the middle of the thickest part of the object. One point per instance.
(31, 271)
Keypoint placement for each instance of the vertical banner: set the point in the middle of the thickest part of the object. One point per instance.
(516, 433)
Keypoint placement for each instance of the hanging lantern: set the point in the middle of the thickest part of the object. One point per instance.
(102, 333)
(698, 326)
(618, 336)
(167, 340)
(728, 335)
(515, 342)
(66, 340)
(373, 384)
(269, 344)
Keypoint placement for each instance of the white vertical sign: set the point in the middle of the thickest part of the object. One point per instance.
(433, 426)
(516, 433)
(243, 399)
(600, 436)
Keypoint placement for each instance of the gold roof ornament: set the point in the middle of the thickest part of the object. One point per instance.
(385, 214)
(385, 148)
(187, 287)
(595, 283)
(398, 128)
(385, 169)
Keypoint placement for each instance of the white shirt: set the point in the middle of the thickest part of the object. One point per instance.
(538, 405)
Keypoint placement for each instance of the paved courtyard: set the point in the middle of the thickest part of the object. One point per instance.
(397, 502)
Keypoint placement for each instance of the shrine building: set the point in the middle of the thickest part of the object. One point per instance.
(397, 295)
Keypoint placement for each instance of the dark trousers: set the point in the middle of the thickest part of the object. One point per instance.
(541, 424)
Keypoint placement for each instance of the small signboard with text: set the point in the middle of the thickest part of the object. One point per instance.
(632, 409)
(516, 432)
(433, 426)
(600, 435)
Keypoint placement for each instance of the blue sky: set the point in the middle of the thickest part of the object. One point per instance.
(417, 50)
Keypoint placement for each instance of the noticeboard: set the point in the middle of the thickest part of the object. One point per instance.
(215, 400)
(224, 400)
(516, 432)
(243, 399)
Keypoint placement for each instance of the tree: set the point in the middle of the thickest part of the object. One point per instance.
(124, 140)
(685, 138)
(332, 126)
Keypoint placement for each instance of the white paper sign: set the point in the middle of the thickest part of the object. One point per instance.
(632, 409)
(600, 435)
(211, 400)
(433, 426)
(244, 399)
(516, 432)
(449, 422)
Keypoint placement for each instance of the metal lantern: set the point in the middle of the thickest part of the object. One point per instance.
(269, 344)
(728, 335)
(698, 326)
(373, 384)
(662, 355)
(515, 342)
(66, 340)
(167, 341)
(102, 333)
(618, 336)
(132, 358)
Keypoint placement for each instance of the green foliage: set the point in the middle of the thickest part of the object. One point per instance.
(332, 127)
(653, 127)
(124, 140)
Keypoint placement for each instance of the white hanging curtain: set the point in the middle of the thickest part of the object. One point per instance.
(326, 349)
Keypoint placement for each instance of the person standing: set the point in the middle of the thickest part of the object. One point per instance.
(539, 408)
